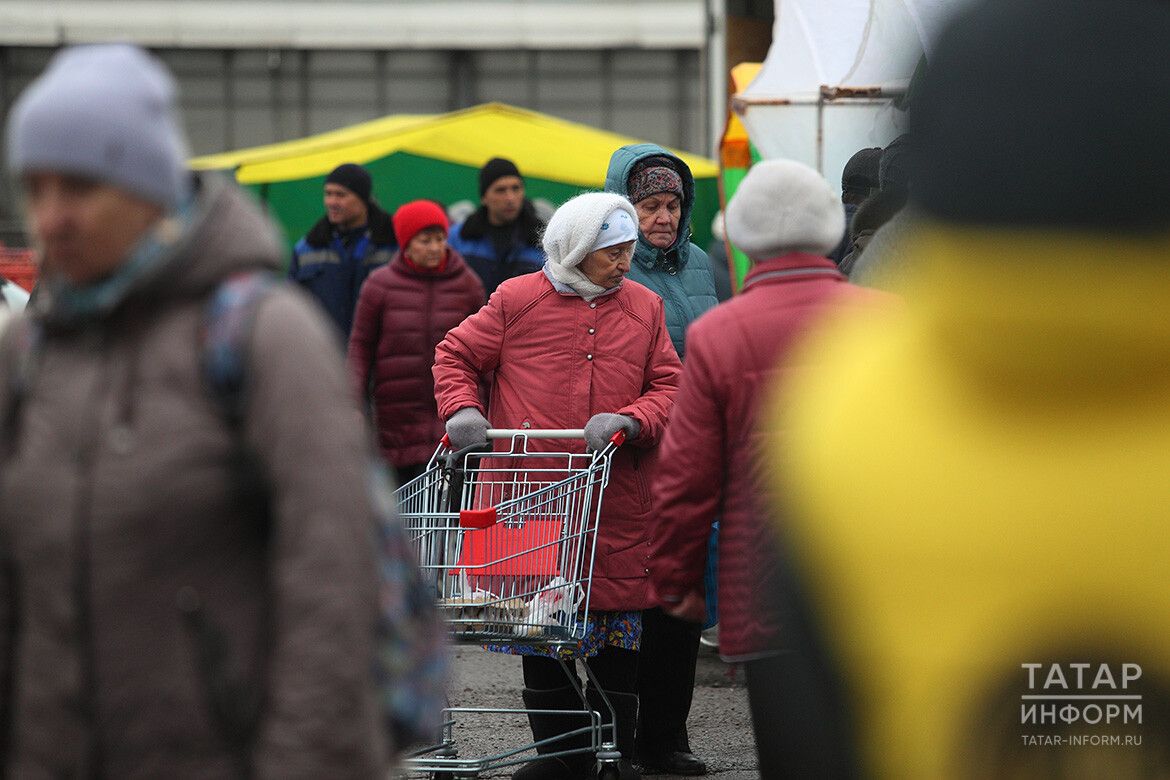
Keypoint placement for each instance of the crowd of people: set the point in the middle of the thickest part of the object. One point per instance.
(930, 427)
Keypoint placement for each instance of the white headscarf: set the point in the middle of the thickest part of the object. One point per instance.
(576, 229)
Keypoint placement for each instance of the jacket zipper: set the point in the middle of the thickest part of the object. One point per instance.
(429, 316)
(83, 572)
(86, 459)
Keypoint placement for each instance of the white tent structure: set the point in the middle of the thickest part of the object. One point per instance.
(827, 86)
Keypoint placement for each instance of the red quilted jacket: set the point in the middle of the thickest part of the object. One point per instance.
(710, 462)
(401, 315)
(558, 360)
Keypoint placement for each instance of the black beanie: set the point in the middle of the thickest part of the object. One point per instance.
(861, 172)
(493, 169)
(354, 178)
(1047, 113)
(894, 165)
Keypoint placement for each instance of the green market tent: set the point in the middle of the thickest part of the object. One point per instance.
(439, 157)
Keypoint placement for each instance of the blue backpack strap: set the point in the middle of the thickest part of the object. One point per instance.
(225, 336)
(225, 333)
(410, 665)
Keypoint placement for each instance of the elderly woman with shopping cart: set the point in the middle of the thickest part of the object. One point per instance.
(577, 344)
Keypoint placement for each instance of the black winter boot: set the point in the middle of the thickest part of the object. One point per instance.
(572, 767)
(625, 706)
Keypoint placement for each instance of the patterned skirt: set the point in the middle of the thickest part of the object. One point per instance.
(602, 629)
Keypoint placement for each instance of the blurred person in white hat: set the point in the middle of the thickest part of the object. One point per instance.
(786, 218)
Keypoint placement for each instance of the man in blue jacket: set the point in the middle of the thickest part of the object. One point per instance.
(354, 237)
(502, 238)
(662, 189)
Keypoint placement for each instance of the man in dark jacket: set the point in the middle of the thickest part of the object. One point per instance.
(662, 189)
(502, 238)
(158, 617)
(786, 219)
(859, 179)
(354, 237)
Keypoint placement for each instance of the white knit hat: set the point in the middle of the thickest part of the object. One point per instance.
(573, 231)
(783, 206)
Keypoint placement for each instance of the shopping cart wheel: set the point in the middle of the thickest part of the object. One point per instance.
(609, 772)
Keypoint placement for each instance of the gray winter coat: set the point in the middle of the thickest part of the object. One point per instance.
(155, 621)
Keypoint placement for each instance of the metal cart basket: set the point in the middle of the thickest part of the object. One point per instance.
(506, 540)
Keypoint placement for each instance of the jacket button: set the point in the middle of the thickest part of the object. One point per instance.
(592, 331)
(588, 357)
(647, 571)
(593, 306)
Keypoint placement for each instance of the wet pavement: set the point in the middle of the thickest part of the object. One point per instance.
(720, 722)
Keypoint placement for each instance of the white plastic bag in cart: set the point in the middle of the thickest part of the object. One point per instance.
(552, 605)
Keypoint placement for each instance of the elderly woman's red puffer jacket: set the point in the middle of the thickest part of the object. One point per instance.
(556, 360)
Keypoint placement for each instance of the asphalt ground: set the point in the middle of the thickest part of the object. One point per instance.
(720, 722)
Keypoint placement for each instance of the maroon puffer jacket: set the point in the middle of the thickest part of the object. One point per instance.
(557, 361)
(401, 315)
(710, 466)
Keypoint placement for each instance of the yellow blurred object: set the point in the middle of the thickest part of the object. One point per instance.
(741, 75)
(979, 481)
(735, 149)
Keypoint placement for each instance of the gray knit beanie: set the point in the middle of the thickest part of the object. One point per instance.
(783, 206)
(105, 112)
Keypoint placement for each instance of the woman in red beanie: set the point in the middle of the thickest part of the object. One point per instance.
(404, 310)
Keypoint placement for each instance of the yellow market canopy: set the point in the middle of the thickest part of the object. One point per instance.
(333, 139)
(542, 146)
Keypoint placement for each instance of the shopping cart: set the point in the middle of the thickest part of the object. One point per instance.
(506, 540)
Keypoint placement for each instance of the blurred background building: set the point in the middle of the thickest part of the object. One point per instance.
(254, 71)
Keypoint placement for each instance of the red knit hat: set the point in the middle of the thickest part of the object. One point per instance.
(414, 217)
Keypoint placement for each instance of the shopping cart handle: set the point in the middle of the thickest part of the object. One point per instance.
(536, 433)
(477, 518)
(619, 438)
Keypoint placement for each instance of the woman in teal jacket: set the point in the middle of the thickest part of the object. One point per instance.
(665, 260)
(662, 189)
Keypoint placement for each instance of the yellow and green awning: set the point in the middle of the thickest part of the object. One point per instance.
(438, 157)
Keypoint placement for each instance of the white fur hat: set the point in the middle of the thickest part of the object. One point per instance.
(574, 228)
(783, 206)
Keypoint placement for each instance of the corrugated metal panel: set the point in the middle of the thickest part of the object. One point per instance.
(653, 24)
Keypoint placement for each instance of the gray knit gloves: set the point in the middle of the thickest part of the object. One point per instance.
(466, 428)
(601, 428)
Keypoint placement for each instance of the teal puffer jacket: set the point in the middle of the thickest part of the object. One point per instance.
(680, 274)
